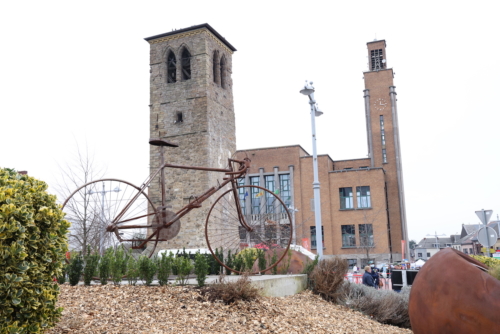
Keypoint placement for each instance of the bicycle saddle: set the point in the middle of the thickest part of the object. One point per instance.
(161, 142)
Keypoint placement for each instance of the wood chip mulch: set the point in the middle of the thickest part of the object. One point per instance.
(140, 309)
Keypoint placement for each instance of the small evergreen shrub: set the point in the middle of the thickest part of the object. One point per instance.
(75, 268)
(261, 257)
(118, 265)
(201, 268)
(90, 270)
(104, 266)
(32, 251)
(184, 268)
(229, 262)
(147, 269)
(132, 270)
(165, 267)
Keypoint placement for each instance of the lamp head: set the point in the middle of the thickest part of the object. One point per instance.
(308, 89)
(317, 112)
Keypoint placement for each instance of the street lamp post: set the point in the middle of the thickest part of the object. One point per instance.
(309, 91)
(103, 193)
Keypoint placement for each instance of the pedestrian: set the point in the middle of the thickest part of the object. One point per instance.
(375, 275)
(355, 269)
(367, 277)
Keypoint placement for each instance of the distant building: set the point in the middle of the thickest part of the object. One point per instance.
(362, 200)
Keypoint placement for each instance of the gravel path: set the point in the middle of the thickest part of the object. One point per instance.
(140, 309)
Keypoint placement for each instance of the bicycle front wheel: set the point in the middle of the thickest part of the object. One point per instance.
(107, 212)
(243, 223)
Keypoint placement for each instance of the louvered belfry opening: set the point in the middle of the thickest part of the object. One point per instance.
(376, 60)
(222, 72)
(171, 68)
(186, 64)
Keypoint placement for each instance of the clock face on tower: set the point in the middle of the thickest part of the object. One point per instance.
(379, 104)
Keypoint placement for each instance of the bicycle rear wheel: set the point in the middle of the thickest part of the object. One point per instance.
(264, 226)
(107, 212)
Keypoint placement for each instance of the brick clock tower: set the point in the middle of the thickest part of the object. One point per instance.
(383, 139)
(191, 100)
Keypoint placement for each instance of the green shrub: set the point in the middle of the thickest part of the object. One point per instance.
(261, 257)
(91, 262)
(104, 266)
(32, 251)
(75, 268)
(238, 263)
(274, 258)
(201, 268)
(495, 271)
(62, 278)
(229, 262)
(489, 261)
(147, 269)
(118, 265)
(132, 270)
(184, 267)
(165, 267)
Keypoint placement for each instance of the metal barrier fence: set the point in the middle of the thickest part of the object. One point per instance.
(358, 279)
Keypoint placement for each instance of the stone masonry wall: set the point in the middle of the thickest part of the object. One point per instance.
(206, 136)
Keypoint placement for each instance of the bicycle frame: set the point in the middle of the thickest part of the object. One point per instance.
(231, 176)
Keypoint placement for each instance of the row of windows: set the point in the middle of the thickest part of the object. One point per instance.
(363, 198)
(172, 66)
(349, 235)
(219, 67)
(254, 204)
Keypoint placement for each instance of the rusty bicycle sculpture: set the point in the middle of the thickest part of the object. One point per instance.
(242, 217)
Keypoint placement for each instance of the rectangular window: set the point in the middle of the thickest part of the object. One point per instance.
(363, 197)
(466, 251)
(419, 255)
(382, 135)
(313, 237)
(348, 235)
(428, 254)
(285, 192)
(435, 245)
(269, 184)
(346, 198)
(352, 262)
(256, 195)
(366, 235)
(242, 194)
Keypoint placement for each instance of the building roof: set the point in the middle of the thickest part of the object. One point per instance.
(196, 27)
(431, 241)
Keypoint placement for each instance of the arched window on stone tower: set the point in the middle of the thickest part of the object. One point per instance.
(223, 72)
(186, 64)
(171, 68)
(215, 70)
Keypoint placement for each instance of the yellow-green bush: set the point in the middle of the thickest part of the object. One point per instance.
(32, 249)
(489, 261)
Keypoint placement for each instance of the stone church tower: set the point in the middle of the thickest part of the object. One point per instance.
(191, 95)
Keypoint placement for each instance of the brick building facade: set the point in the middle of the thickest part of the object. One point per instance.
(362, 200)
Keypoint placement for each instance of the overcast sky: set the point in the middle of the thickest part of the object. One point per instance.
(77, 74)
